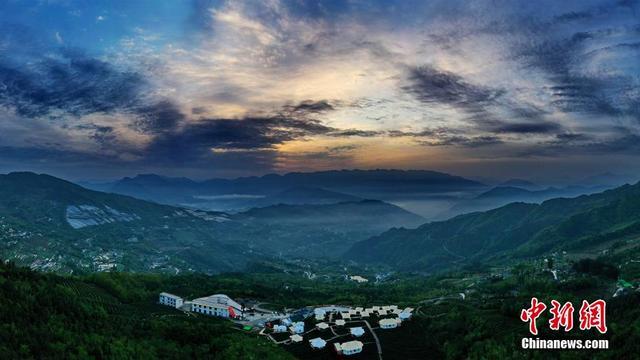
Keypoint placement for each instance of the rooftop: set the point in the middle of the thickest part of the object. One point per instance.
(351, 345)
(317, 343)
(170, 295)
(218, 300)
(388, 321)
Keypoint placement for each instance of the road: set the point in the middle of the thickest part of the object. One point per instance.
(375, 336)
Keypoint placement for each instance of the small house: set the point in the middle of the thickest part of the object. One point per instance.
(357, 331)
(296, 338)
(348, 348)
(317, 343)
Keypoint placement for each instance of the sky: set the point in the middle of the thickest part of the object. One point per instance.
(98, 89)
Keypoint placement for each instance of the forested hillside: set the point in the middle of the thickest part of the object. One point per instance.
(52, 224)
(516, 229)
(48, 316)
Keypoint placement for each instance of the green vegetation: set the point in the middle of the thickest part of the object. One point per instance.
(114, 315)
(34, 231)
(109, 316)
(326, 230)
(596, 267)
(517, 230)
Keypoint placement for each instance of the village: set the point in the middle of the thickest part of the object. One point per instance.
(332, 329)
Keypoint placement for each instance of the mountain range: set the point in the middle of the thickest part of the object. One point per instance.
(514, 230)
(503, 195)
(51, 224)
(292, 188)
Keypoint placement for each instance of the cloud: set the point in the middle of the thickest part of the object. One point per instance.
(354, 132)
(528, 128)
(217, 82)
(573, 64)
(310, 107)
(433, 86)
(71, 83)
(158, 117)
(464, 141)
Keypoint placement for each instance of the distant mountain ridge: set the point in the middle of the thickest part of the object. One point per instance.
(357, 183)
(503, 195)
(304, 195)
(520, 183)
(516, 229)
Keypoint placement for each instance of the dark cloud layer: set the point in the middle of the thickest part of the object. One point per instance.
(158, 117)
(251, 134)
(528, 128)
(72, 83)
(433, 86)
(310, 107)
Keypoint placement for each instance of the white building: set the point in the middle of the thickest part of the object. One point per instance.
(317, 343)
(388, 323)
(217, 305)
(170, 300)
(279, 329)
(296, 338)
(348, 348)
(358, 279)
(404, 315)
(322, 326)
(320, 313)
(340, 322)
(297, 328)
(357, 331)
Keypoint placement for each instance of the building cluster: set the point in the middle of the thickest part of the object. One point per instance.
(388, 317)
(215, 305)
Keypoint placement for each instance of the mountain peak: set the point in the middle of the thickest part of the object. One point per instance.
(522, 183)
